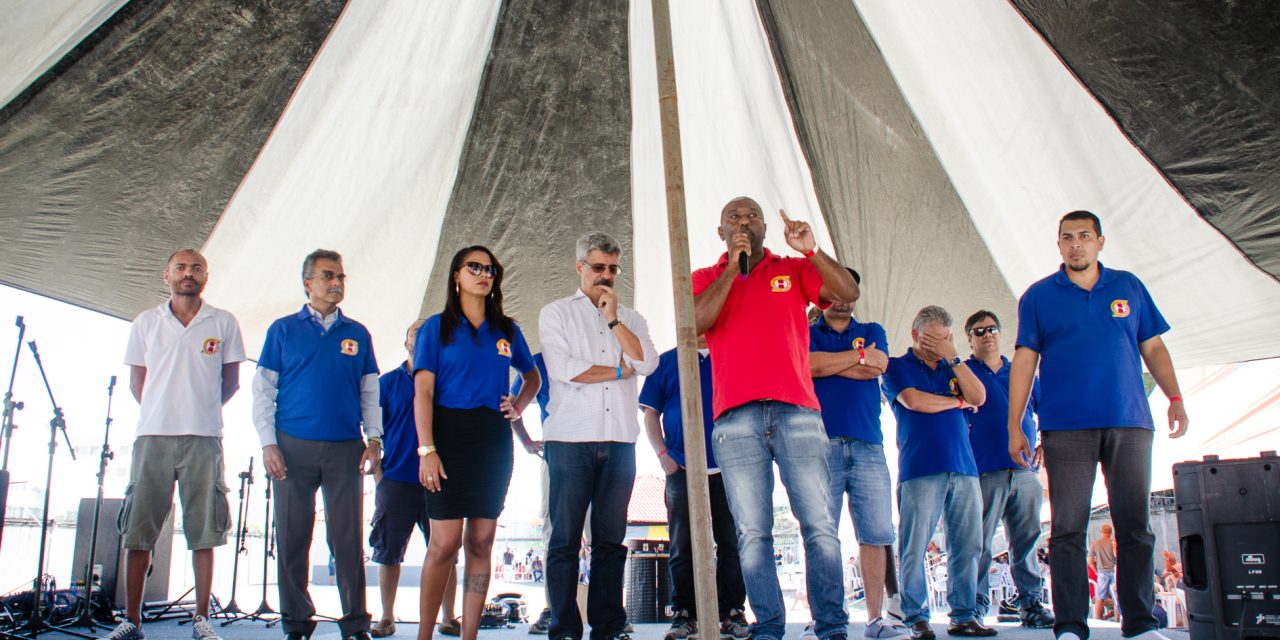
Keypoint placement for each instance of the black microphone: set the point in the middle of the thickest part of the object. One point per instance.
(744, 265)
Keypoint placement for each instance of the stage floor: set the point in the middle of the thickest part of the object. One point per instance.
(171, 630)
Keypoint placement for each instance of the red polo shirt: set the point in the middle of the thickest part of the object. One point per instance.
(760, 343)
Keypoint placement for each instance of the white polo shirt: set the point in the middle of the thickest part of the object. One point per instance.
(182, 394)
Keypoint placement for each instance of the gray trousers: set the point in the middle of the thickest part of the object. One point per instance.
(333, 468)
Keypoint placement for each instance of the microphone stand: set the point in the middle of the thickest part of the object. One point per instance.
(36, 624)
(6, 423)
(85, 618)
(264, 610)
(233, 610)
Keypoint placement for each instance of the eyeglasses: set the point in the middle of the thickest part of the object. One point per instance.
(477, 269)
(600, 268)
(978, 332)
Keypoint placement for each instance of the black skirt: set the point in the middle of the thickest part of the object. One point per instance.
(475, 450)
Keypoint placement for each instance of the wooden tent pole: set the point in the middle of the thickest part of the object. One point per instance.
(704, 574)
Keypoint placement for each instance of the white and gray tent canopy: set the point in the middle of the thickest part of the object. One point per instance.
(933, 145)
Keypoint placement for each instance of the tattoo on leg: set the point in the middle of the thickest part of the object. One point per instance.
(476, 583)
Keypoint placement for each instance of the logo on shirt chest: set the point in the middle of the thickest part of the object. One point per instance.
(859, 343)
(1120, 309)
(955, 387)
(211, 347)
(504, 348)
(780, 284)
(350, 347)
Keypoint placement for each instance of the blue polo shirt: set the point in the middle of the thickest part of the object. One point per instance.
(399, 432)
(928, 443)
(850, 408)
(318, 392)
(661, 392)
(473, 370)
(1088, 346)
(989, 426)
(544, 392)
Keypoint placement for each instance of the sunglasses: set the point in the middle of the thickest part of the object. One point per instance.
(600, 268)
(978, 332)
(477, 269)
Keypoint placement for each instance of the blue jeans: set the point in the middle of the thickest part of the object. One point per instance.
(729, 587)
(921, 501)
(747, 440)
(599, 475)
(1072, 458)
(1012, 496)
(858, 468)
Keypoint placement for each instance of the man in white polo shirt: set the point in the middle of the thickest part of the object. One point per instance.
(184, 358)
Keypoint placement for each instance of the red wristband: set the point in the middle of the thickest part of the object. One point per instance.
(810, 253)
(959, 403)
(1173, 399)
(662, 452)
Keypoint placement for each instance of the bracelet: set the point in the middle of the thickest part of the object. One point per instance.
(810, 253)
(862, 356)
(1173, 399)
(959, 403)
(663, 452)
(619, 370)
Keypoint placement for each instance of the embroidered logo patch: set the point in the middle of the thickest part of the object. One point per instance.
(858, 343)
(1120, 309)
(780, 284)
(350, 347)
(504, 348)
(211, 347)
(955, 387)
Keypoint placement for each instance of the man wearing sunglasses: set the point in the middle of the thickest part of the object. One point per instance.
(1010, 493)
(316, 388)
(751, 306)
(594, 347)
(1090, 330)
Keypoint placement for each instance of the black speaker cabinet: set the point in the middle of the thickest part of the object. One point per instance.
(108, 556)
(1229, 532)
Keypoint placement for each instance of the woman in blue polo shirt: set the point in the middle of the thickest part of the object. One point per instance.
(461, 358)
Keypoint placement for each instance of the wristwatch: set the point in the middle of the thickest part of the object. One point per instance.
(616, 322)
(955, 362)
(426, 450)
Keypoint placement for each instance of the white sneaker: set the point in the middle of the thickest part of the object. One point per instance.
(201, 629)
(1146, 635)
(808, 633)
(884, 628)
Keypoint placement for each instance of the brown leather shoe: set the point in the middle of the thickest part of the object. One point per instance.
(920, 630)
(972, 628)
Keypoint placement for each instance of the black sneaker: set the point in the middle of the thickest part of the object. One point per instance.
(297, 635)
(682, 627)
(1037, 617)
(735, 626)
(542, 625)
(359, 635)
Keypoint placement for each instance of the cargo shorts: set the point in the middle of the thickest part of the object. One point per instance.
(195, 463)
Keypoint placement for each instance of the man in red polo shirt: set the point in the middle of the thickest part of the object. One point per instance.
(765, 407)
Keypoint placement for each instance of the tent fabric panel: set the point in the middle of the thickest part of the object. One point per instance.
(736, 137)
(134, 149)
(892, 210)
(36, 36)
(547, 157)
(363, 162)
(1196, 86)
(1023, 142)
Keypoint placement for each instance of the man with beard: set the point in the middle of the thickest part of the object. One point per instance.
(184, 363)
(846, 358)
(765, 408)
(1089, 330)
(594, 348)
(317, 385)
